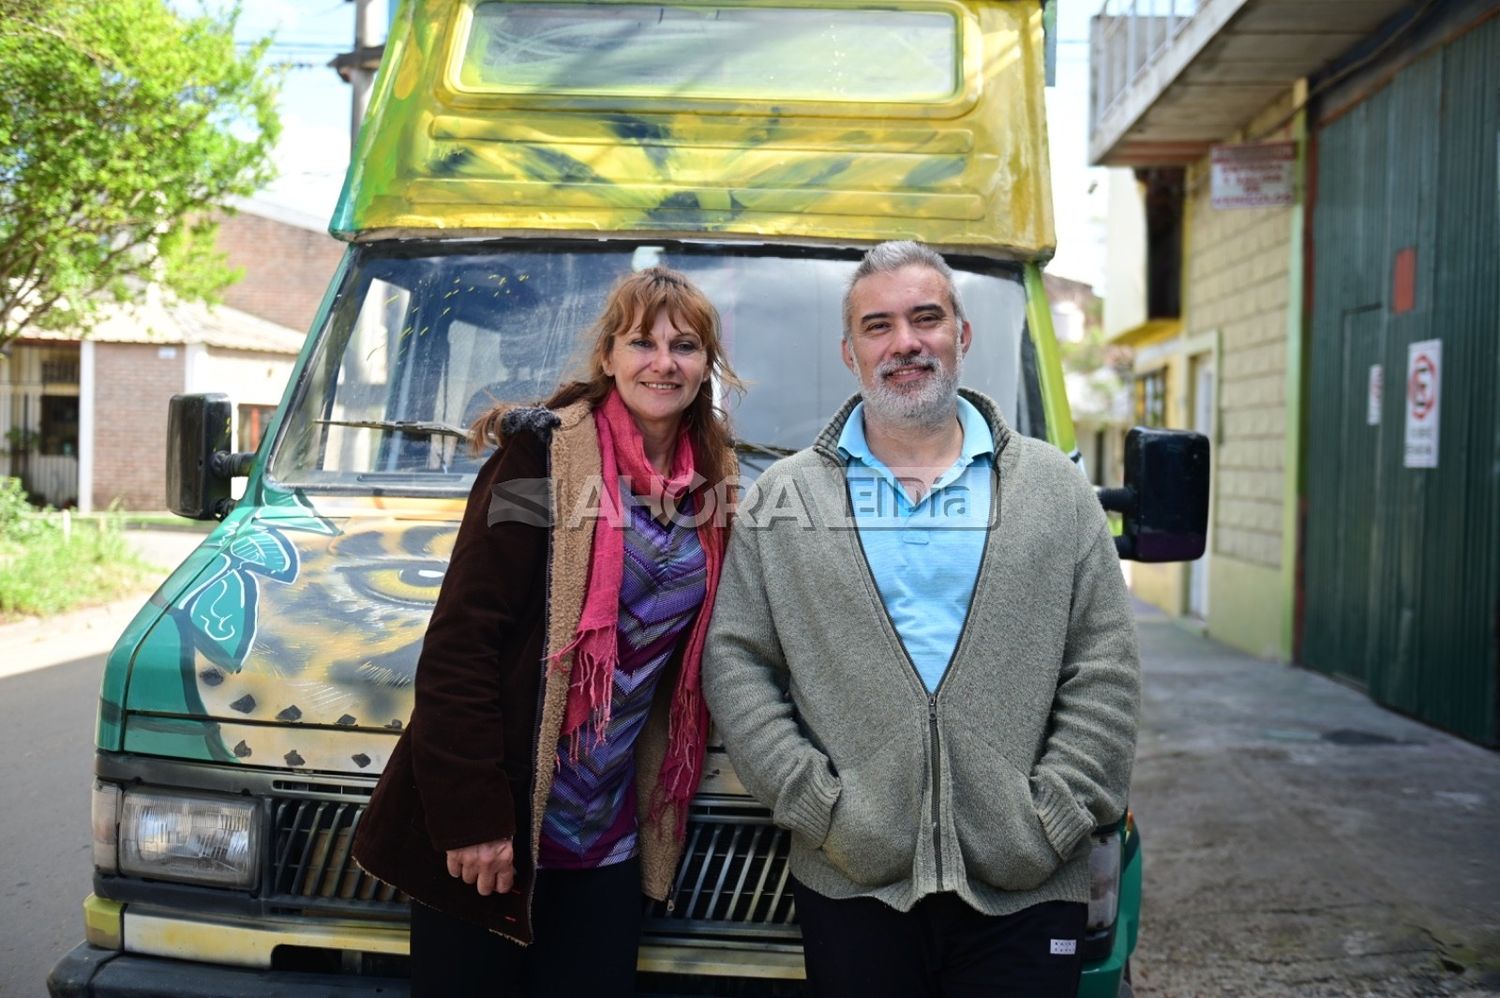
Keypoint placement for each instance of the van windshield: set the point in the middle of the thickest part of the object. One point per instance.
(421, 343)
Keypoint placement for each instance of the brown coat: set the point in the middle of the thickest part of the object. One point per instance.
(465, 770)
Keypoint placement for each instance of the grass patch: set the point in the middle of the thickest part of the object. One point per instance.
(47, 568)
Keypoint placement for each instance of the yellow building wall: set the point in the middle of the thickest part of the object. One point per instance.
(1236, 287)
(1255, 625)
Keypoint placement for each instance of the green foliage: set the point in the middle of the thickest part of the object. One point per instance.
(123, 127)
(18, 521)
(45, 570)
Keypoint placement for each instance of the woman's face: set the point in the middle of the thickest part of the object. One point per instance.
(657, 372)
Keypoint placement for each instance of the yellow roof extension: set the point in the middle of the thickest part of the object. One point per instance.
(714, 146)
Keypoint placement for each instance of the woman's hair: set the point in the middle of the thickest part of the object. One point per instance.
(634, 303)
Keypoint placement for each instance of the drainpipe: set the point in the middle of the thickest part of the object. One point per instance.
(1294, 478)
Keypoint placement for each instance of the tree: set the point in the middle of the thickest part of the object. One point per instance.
(124, 127)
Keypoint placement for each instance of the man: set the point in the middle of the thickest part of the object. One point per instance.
(939, 699)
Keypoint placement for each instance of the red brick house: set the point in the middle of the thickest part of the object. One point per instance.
(83, 420)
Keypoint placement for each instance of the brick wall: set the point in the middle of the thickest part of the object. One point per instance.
(287, 267)
(1236, 282)
(132, 385)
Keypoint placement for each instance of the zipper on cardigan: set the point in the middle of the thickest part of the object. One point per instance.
(937, 780)
(958, 646)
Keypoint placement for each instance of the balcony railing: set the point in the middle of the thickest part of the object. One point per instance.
(1128, 37)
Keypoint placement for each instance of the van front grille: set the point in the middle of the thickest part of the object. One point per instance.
(732, 881)
(311, 858)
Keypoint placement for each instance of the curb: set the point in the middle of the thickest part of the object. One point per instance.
(72, 621)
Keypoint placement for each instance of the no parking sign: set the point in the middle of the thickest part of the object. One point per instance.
(1424, 381)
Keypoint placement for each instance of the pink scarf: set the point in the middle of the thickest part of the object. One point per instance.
(596, 647)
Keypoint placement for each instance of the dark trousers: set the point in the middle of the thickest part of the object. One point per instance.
(586, 926)
(942, 948)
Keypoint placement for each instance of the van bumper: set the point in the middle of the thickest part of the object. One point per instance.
(90, 972)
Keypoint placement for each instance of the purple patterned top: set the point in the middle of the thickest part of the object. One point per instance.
(590, 820)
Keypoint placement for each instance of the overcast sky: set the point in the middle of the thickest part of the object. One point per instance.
(314, 148)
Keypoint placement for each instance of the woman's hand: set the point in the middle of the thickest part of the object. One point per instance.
(489, 866)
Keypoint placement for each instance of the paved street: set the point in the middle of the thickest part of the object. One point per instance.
(1302, 841)
(49, 690)
(1299, 840)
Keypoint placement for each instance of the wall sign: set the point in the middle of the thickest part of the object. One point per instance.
(1374, 394)
(1424, 382)
(1260, 175)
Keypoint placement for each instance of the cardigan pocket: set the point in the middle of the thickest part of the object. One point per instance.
(872, 835)
(999, 831)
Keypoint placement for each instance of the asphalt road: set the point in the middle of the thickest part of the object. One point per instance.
(49, 692)
(46, 738)
(1302, 842)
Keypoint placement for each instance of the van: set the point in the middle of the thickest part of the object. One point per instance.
(518, 157)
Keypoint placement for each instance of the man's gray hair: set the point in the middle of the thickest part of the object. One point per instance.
(892, 256)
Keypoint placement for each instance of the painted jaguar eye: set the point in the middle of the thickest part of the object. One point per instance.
(414, 583)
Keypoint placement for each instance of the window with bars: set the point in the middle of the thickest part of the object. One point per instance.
(1151, 398)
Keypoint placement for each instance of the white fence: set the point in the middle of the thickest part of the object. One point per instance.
(1126, 38)
(51, 477)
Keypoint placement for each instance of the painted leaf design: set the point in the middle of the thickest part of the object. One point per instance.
(266, 552)
(222, 614)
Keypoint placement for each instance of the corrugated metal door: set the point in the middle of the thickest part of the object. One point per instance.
(1340, 566)
(1401, 569)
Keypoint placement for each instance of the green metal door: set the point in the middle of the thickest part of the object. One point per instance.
(1401, 563)
(1340, 567)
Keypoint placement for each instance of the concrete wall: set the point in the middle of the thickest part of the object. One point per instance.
(1235, 290)
(1125, 263)
(247, 378)
(133, 383)
(286, 267)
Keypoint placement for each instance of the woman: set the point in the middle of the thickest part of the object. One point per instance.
(544, 778)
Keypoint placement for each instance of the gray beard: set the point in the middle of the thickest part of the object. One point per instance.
(928, 407)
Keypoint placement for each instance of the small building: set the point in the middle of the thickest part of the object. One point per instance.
(1302, 253)
(86, 420)
(83, 420)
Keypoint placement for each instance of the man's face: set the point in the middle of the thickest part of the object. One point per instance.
(905, 345)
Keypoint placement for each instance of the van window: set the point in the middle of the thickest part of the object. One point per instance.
(762, 53)
(420, 344)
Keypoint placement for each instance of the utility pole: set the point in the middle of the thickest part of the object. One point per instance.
(358, 67)
(361, 75)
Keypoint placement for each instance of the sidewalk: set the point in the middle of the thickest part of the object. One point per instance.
(1301, 840)
(39, 642)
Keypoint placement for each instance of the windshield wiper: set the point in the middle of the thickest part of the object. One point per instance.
(410, 426)
(765, 450)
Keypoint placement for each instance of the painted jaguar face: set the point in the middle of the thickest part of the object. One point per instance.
(312, 629)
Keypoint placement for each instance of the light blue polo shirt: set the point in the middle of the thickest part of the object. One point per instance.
(925, 558)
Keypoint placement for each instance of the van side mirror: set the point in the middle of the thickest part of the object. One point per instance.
(200, 465)
(1165, 499)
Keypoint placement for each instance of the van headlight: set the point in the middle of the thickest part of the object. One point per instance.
(1104, 880)
(171, 836)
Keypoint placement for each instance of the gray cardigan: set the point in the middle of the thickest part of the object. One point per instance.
(988, 787)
